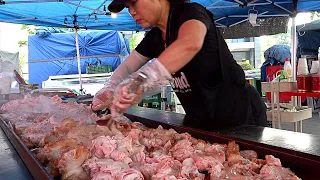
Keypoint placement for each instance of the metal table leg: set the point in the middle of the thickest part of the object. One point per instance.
(278, 110)
(295, 127)
(300, 122)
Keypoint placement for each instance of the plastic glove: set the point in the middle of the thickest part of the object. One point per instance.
(157, 76)
(124, 98)
(104, 97)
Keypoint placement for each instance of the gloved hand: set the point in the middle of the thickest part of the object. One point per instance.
(157, 76)
(104, 97)
(124, 98)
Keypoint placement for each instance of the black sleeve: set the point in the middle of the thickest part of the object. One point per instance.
(149, 46)
(197, 12)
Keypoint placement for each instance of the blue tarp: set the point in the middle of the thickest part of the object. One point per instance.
(75, 13)
(275, 55)
(56, 54)
(278, 52)
(47, 31)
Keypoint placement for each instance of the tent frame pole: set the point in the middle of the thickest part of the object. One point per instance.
(294, 48)
(78, 59)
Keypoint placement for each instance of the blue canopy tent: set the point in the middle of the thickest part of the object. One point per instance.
(309, 38)
(89, 14)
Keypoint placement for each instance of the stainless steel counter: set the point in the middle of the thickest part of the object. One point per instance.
(11, 165)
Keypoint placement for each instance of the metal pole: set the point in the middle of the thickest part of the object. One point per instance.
(294, 54)
(78, 59)
(163, 97)
(294, 48)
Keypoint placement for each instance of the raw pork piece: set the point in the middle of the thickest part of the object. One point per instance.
(233, 148)
(146, 169)
(216, 148)
(111, 169)
(103, 176)
(130, 174)
(52, 170)
(207, 161)
(54, 151)
(138, 154)
(268, 172)
(70, 164)
(103, 146)
(167, 169)
(182, 149)
(237, 171)
(36, 133)
(190, 171)
(157, 138)
(158, 159)
(201, 145)
(249, 154)
(39, 153)
(84, 134)
(60, 131)
(134, 134)
(272, 161)
(118, 148)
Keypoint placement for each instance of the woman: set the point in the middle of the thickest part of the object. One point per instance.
(190, 53)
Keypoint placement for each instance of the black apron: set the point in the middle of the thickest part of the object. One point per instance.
(235, 101)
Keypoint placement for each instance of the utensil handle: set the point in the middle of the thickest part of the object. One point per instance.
(138, 81)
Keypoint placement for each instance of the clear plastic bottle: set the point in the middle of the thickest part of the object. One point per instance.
(288, 70)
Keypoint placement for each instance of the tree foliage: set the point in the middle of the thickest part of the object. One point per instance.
(314, 15)
(22, 43)
(28, 28)
(133, 42)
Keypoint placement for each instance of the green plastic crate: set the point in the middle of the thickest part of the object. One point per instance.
(151, 101)
(98, 69)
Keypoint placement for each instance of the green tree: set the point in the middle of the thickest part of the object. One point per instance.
(283, 38)
(28, 28)
(314, 15)
(133, 42)
(22, 43)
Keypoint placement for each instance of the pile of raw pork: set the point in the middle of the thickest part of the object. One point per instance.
(67, 141)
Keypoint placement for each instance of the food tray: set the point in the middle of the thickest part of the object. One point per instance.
(304, 165)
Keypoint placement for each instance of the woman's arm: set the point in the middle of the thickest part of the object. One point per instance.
(104, 97)
(189, 42)
(133, 62)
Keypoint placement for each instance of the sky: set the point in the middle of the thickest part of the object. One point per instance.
(10, 35)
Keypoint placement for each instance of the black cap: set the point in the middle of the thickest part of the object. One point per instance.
(116, 6)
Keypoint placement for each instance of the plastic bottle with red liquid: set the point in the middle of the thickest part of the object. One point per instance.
(315, 76)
